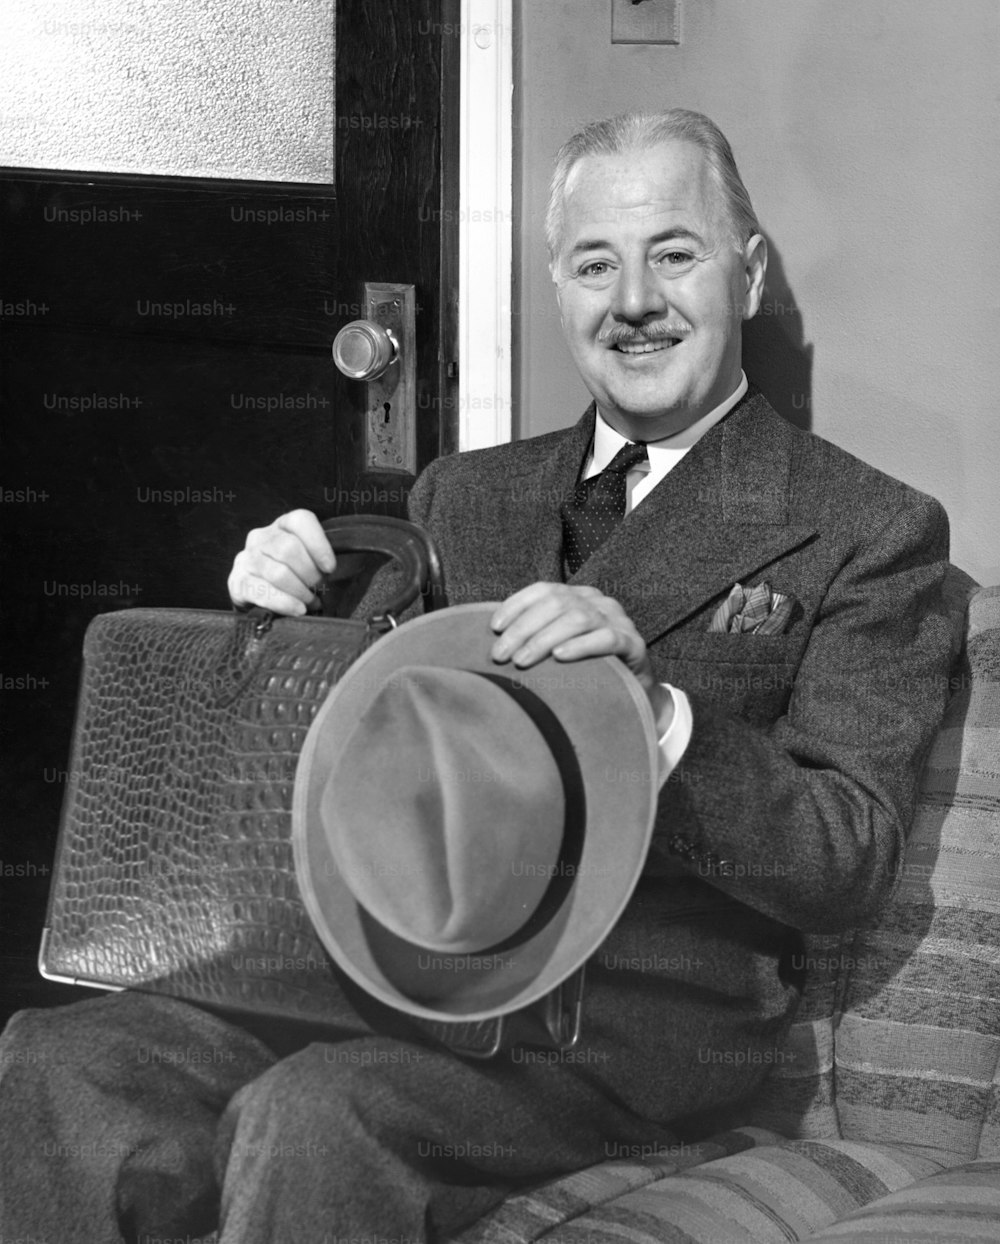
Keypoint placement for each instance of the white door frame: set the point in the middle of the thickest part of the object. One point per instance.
(485, 233)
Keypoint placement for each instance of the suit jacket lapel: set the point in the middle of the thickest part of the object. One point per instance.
(720, 516)
(532, 524)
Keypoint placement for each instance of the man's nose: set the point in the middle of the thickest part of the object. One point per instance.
(638, 292)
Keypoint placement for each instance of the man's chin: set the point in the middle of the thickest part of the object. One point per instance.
(653, 410)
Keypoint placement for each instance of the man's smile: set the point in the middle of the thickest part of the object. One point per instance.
(646, 347)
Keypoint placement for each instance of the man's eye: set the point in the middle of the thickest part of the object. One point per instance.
(597, 267)
(676, 259)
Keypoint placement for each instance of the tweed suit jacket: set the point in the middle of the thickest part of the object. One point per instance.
(790, 807)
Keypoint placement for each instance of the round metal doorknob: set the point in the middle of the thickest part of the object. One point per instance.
(364, 350)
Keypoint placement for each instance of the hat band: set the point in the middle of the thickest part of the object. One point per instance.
(565, 869)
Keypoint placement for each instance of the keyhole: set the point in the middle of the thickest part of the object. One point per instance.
(386, 407)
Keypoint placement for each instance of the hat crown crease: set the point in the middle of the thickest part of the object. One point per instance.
(462, 834)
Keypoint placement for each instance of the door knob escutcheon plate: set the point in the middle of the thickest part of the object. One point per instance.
(382, 351)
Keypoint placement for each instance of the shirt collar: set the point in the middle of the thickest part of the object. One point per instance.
(607, 441)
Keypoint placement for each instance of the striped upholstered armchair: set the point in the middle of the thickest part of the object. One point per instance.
(882, 1122)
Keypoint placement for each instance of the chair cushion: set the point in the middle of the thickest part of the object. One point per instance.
(958, 1206)
(525, 1216)
(917, 1049)
(769, 1193)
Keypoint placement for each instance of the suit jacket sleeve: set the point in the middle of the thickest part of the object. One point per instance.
(805, 819)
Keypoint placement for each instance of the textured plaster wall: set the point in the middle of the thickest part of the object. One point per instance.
(867, 133)
(200, 88)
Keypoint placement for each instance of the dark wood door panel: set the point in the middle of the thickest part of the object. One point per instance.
(174, 260)
(155, 457)
(166, 384)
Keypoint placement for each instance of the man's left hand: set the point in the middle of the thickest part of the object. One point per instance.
(569, 623)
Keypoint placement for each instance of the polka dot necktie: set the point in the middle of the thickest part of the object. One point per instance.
(596, 506)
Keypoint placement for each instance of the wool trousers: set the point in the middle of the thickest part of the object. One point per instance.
(141, 1118)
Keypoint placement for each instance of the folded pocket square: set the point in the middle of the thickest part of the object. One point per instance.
(757, 610)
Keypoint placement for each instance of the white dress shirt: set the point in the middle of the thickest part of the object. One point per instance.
(664, 455)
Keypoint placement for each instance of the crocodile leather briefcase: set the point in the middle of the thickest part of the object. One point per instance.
(174, 868)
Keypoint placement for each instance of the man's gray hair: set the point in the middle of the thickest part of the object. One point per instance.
(638, 131)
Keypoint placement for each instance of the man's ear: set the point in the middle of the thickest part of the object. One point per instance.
(554, 273)
(755, 267)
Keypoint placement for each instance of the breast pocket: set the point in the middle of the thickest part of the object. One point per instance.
(751, 675)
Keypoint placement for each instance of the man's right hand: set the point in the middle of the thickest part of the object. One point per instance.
(282, 564)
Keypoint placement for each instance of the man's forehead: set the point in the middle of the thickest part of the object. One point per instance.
(635, 185)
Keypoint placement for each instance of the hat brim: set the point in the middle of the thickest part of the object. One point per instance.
(608, 719)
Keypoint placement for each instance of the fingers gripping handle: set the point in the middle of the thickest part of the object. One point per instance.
(409, 545)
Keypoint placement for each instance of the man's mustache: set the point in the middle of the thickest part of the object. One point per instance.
(625, 335)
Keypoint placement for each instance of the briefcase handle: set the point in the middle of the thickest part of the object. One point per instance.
(410, 546)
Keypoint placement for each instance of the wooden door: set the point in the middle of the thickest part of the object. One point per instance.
(167, 385)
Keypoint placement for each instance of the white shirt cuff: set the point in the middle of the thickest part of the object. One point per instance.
(672, 743)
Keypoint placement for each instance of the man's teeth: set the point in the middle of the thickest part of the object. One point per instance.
(647, 347)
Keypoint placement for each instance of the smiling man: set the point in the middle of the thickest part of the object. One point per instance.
(780, 603)
(655, 272)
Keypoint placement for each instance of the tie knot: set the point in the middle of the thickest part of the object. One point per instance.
(629, 456)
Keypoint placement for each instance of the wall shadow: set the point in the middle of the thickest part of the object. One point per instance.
(776, 356)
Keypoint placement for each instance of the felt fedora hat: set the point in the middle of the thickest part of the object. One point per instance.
(465, 833)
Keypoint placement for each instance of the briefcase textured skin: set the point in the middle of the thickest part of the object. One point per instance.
(174, 870)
